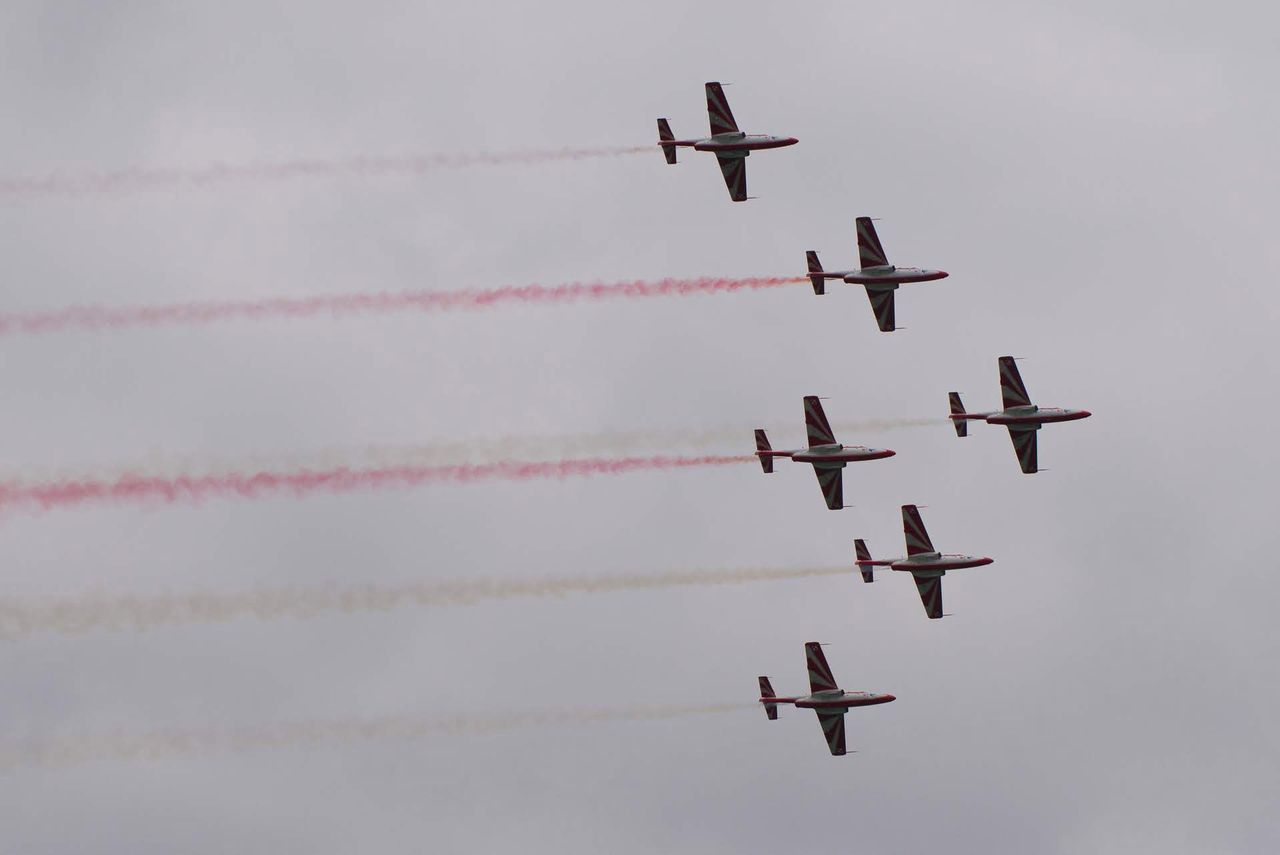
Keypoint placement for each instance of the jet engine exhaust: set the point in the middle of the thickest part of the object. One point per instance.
(141, 180)
(78, 615)
(344, 305)
(81, 749)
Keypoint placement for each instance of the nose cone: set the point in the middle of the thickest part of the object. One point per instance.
(984, 561)
(790, 140)
(888, 698)
(888, 452)
(1084, 414)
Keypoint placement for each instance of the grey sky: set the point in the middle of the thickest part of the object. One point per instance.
(1099, 182)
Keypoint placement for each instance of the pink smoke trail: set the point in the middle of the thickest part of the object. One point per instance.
(142, 180)
(67, 494)
(103, 317)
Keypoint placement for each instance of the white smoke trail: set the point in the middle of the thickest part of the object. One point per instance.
(80, 749)
(445, 452)
(97, 611)
(137, 180)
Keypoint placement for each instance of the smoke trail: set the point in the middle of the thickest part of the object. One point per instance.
(339, 305)
(343, 479)
(442, 452)
(143, 180)
(76, 750)
(87, 613)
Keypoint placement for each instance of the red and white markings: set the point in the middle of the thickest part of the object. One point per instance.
(722, 121)
(1012, 391)
(870, 252)
(918, 542)
(820, 676)
(816, 424)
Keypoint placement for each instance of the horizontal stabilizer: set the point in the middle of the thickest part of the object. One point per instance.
(957, 409)
(815, 272)
(762, 451)
(864, 560)
(665, 135)
(766, 691)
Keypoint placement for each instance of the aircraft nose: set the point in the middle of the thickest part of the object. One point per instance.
(792, 140)
(1085, 414)
(888, 698)
(889, 452)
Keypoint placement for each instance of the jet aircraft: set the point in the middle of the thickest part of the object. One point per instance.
(877, 275)
(827, 456)
(730, 145)
(926, 565)
(1022, 417)
(825, 698)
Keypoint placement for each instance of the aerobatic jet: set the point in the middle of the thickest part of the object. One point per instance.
(1022, 417)
(730, 145)
(826, 699)
(926, 565)
(877, 275)
(827, 456)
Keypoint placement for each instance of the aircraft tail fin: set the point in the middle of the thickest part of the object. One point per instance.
(957, 410)
(864, 563)
(665, 136)
(766, 693)
(763, 450)
(815, 272)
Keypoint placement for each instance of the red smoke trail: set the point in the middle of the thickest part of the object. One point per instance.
(64, 494)
(140, 180)
(103, 317)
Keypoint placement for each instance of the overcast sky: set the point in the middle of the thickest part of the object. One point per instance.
(1098, 180)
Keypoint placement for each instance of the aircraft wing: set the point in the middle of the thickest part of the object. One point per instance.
(833, 729)
(735, 176)
(930, 588)
(831, 480)
(882, 306)
(1024, 444)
